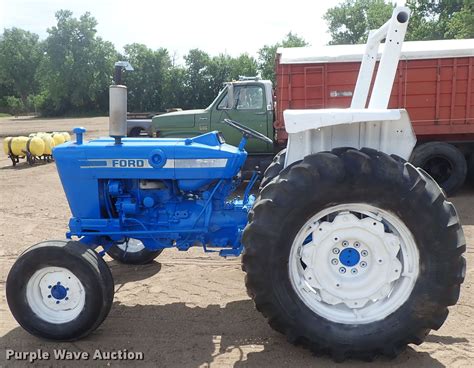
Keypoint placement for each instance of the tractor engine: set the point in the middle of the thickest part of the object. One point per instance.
(171, 192)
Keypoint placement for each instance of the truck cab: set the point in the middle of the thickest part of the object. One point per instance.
(249, 101)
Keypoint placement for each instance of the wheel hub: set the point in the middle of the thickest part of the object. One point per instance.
(55, 294)
(351, 260)
(349, 257)
(58, 291)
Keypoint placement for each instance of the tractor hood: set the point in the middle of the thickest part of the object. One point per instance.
(181, 119)
(193, 162)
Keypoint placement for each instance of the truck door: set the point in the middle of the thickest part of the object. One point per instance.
(250, 109)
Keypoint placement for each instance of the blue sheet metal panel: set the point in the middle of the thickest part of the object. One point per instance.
(81, 166)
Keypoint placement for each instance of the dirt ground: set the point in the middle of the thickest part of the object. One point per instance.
(188, 309)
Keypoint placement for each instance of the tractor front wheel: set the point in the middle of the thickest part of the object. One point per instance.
(60, 290)
(353, 253)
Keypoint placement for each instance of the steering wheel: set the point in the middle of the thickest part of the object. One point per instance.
(247, 132)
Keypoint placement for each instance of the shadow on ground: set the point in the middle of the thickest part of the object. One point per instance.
(178, 335)
(464, 202)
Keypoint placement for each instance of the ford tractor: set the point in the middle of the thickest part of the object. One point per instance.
(348, 249)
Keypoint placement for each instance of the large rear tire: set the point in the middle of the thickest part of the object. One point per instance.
(60, 290)
(272, 171)
(354, 254)
(444, 162)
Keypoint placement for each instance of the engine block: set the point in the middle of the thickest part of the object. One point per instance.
(164, 192)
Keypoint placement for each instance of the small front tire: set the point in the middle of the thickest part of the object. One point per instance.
(60, 290)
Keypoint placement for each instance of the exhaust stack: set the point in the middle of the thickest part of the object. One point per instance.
(118, 104)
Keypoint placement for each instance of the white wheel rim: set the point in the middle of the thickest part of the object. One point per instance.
(354, 263)
(131, 246)
(55, 295)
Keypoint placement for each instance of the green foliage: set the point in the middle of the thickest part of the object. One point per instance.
(70, 71)
(350, 21)
(20, 55)
(205, 75)
(267, 54)
(76, 67)
(441, 19)
(15, 105)
(147, 83)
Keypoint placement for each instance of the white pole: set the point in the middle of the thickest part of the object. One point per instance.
(389, 61)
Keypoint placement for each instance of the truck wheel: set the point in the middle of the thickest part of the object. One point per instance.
(135, 132)
(133, 252)
(354, 254)
(470, 169)
(60, 290)
(274, 169)
(444, 162)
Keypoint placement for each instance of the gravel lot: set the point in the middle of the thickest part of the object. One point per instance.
(188, 309)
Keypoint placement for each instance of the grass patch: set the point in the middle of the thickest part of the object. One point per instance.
(5, 115)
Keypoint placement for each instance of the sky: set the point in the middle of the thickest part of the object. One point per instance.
(231, 27)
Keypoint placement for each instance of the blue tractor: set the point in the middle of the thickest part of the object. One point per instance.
(348, 249)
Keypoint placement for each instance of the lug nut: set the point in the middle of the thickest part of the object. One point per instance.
(363, 264)
(354, 271)
(345, 243)
(342, 270)
(364, 253)
(356, 245)
(335, 251)
(334, 261)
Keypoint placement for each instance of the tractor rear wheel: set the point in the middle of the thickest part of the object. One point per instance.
(132, 251)
(60, 290)
(353, 253)
(272, 171)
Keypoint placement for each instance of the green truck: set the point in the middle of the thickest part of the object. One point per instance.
(248, 100)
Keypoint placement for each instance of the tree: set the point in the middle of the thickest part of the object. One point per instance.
(15, 105)
(350, 22)
(244, 65)
(197, 83)
(224, 68)
(20, 55)
(77, 66)
(267, 54)
(175, 92)
(441, 19)
(147, 83)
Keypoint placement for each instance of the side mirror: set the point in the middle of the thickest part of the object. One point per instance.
(230, 96)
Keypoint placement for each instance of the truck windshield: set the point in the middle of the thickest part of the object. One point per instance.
(247, 97)
(224, 90)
